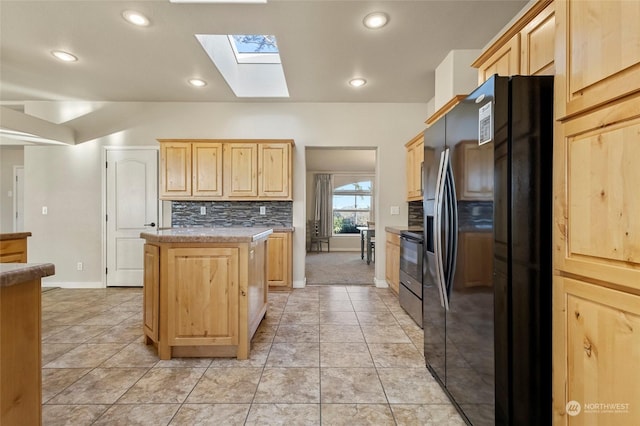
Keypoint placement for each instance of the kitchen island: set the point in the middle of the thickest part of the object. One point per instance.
(205, 290)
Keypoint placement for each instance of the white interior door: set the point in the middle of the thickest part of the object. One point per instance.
(18, 199)
(132, 207)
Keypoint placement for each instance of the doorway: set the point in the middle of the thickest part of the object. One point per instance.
(351, 172)
(131, 205)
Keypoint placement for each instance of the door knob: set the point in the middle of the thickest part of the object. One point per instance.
(152, 224)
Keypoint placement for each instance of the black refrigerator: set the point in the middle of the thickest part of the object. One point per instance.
(489, 346)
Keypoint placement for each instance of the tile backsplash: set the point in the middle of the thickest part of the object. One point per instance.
(416, 214)
(231, 213)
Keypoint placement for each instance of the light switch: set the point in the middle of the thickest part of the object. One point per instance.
(44, 210)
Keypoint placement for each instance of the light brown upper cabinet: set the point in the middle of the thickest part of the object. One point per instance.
(415, 158)
(475, 168)
(525, 48)
(207, 169)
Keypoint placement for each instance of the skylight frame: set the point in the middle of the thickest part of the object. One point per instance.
(255, 57)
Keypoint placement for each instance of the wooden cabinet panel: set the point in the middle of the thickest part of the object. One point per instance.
(279, 256)
(596, 341)
(241, 170)
(601, 56)
(207, 169)
(474, 267)
(175, 170)
(474, 179)
(505, 61)
(537, 40)
(151, 290)
(598, 201)
(203, 296)
(392, 263)
(13, 251)
(274, 165)
(415, 158)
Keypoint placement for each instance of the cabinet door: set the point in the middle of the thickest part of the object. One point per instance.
(279, 259)
(505, 62)
(241, 170)
(415, 157)
(151, 291)
(207, 169)
(203, 286)
(596, 341)
(175, 170)
(274, 170)
(601, 57)
(537, 40)
(474, 179)
(392, 263)
(409, 171)
(13, 251)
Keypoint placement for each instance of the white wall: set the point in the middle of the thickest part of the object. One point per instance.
(68, 180)
(455, 76)
(10, 156)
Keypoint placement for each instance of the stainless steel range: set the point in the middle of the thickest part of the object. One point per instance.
(410, 291)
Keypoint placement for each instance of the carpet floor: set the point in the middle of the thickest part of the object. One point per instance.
(338, 268)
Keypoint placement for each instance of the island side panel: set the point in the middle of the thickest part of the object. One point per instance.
(258, 286)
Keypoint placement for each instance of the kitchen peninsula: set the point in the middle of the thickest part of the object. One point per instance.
(205, 290)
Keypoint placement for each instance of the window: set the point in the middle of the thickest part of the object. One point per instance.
(352, 203)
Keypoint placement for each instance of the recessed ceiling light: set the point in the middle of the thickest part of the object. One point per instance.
(135, 18)
(64, 56)
(197, 82)
(375, 20)
(357, 82)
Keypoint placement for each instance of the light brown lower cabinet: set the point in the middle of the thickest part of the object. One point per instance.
(597, 349)
(474, 267)
(279, 260)
(392, 264)
(13, 247)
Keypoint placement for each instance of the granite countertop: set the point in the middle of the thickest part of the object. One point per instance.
(16, 273)
(399, 229)
(282, 228)
(14, 235)
(207, 235)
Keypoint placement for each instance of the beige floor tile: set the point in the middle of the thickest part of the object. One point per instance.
(64, 415)
(351, 385)
(370, 305)
(51, 351)
(55, 380)
(138, 414)
(265, 332)
(300, 318)
(396, 355)
(297, 333)
(99, 386)
(336, 305)
(337, 317)
(135, 354)
(345, 355)
(384, 334)
(86, 355)
(284, 414)
(294, 355)
(424, 388)
(376, 318)
(122, 333)
(184, 362)
(357, 414)
(301, 305)
(211, 414)
(428, 415)
(226, 385)
(257, 357)
(110, 317)
(163, 385)
(289, 385)
(77, 334)
(341, 333)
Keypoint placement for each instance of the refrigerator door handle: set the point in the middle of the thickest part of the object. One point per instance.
(452, 231)
(437, 228)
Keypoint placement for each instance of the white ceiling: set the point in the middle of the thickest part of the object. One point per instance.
(322, 44)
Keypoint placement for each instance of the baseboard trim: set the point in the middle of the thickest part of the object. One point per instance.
(380, 283)
(300, 283)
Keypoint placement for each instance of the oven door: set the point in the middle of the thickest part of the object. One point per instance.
(410, 291)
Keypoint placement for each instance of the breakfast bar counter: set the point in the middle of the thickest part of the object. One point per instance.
(205, 290)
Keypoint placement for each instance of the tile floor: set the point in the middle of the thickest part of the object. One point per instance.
(331, 355)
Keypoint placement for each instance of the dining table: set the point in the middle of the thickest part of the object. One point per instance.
(366, 233)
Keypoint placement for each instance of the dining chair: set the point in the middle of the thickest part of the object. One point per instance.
(371, 242)
(313, 226)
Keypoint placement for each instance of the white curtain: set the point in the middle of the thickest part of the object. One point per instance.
(324, 196)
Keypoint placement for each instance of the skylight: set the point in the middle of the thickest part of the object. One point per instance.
(250, 63)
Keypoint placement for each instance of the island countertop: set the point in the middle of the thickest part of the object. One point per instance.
(16, 273)
(14, 235)
(207, 235)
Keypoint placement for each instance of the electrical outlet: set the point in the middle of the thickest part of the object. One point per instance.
(263, 210)
(79, 266)
(44, 210)
(395, 209)
(203, 210)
